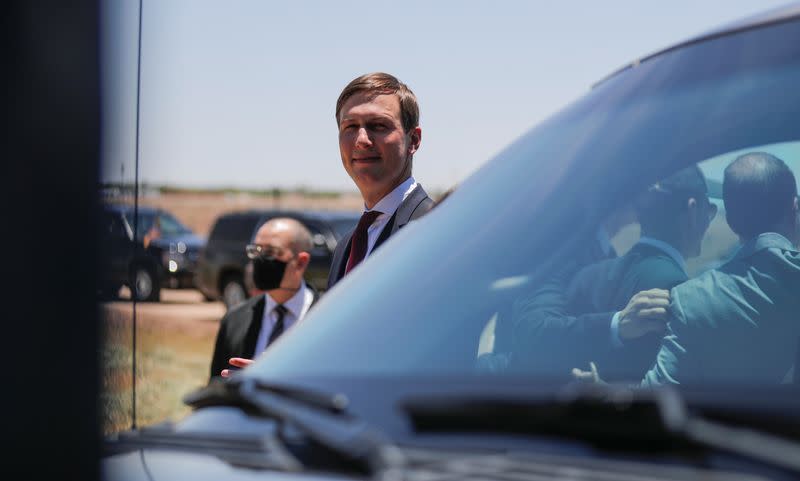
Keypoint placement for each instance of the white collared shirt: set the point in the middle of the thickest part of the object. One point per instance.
(387, 206)
(296, 308)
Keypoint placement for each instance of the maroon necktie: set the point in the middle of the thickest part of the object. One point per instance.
(358, 244)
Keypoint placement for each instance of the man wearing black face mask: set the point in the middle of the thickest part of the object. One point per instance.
(280, 255)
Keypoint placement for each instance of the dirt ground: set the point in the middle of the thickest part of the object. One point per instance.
(175, 337)
(174, 343)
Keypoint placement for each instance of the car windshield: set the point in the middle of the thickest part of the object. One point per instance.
(497, 274)
(146, 221)
(167, 224)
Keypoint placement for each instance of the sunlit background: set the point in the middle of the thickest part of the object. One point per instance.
(242, 93)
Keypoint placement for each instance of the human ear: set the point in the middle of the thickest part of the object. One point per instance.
(415, 137)
(303, 259)
(692, 208)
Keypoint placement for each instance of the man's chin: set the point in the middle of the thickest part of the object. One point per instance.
(368, 175)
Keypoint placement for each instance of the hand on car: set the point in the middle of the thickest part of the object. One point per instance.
(646, 312)
(237, 362)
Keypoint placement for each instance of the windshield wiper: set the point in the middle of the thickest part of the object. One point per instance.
(608, 417)
(347, 443)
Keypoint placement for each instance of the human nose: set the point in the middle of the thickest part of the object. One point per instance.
(362, 138)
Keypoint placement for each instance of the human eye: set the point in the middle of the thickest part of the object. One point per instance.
(346, 126)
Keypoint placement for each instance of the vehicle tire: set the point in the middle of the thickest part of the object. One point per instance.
(233, 292)
(145, 285)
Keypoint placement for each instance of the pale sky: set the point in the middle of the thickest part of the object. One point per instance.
(242, 93)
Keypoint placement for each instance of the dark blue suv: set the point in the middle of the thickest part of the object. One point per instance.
(162, 253)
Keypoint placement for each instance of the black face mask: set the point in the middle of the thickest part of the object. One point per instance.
(268, 272)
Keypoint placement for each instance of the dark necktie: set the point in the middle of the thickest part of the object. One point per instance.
(277, 330)
(358, 244)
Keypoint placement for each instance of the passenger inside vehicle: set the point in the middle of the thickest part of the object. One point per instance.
(738, 323)
(581, 315)
(640, 318)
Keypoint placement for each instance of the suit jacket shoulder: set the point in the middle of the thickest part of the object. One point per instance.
(736, 324)
(341, 253)
(237, 333)
(609, 284)
(413, 207)
(650, 269)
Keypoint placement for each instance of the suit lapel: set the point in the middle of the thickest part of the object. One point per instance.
(415, 205)
(254, 326)
(314, 292)
(409, 209)
(338, 263)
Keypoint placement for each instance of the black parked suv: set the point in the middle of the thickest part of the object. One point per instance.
(163, 253)
(222, 270)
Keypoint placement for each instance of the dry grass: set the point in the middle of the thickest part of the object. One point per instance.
(174, 347)
(175, 337)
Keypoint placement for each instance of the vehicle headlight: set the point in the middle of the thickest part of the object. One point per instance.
(171, 261)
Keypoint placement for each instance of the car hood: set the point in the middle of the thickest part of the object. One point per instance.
(163, 465)
(382, 403)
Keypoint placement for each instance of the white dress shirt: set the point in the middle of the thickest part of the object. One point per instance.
(387, 206)
(296, 308)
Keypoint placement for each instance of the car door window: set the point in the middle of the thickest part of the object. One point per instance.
(170, 225)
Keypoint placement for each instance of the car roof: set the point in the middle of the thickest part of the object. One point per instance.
(324, 215)
(126, 208)
(776, 15)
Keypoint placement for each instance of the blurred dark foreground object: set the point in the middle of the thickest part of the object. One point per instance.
(50, 167)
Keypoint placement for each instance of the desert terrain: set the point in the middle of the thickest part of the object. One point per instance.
(175, 337)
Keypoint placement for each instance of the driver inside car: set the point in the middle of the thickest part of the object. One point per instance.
(594, 314)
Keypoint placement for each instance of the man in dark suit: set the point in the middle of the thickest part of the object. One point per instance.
(379, 132)
(598, 249)
(280, 255)
(597, 319)
(739, 324)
